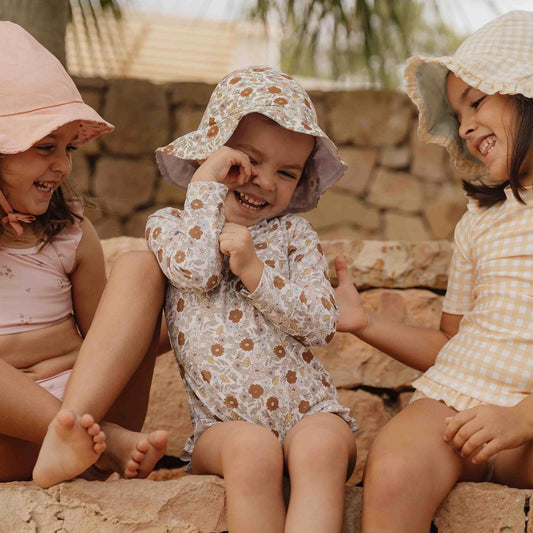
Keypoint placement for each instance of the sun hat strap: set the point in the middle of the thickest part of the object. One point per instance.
(13, 218)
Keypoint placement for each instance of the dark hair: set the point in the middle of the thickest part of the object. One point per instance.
(488, 195)
(60, 214)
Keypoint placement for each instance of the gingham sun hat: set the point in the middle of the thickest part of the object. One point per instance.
(37, 96)
(498, 58)
(256, 89)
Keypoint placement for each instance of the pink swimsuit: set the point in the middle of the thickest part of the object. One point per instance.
(35, 288)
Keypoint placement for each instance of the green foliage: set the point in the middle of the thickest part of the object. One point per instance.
(363, 40)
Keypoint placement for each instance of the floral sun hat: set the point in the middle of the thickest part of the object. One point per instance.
(256, 89)
(37, 96)
(498, 58)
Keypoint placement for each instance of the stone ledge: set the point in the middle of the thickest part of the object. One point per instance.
(196, 504)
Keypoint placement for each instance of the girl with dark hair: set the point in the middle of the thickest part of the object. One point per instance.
(471, 416)
(51, 279)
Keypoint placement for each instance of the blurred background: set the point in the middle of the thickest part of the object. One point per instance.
(149, 67)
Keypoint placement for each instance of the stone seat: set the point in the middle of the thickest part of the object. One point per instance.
(403, 280)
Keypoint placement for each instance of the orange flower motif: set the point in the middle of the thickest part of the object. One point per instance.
(160, 255)
(307, 356)
(197, 204)
(274, 227)
(281, 101)
(303, 298)
(206, 375)
(325, 382)
(247, 344)
(147, 233)
(330, 337)
(279, 351)
(326, 303)
(270, 263)
(235, 315)
(213, 131)
(186, 273)
(156, 233)
(319, 248)
(291, 376)
(181, 338)
(274, 90)
(179, 257)
(212, 121)
(304, 406)
(168, 149)
(306, 126)
(258, 70)
(276, 433)
(175, 213)
(256, 391)
(196, 232)
(217, 350)
(279, 283)
(298, 258)
(261, 246)
(292, 249)
(231, 402)
(288, 224)
(272, 403)
(233, 81)
(306, 102)
(180, 306)
(211, 282)
(246, 92)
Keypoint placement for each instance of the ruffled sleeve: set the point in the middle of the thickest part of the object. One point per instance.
(66, 242)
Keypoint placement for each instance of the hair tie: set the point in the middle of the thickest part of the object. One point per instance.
(13, 218)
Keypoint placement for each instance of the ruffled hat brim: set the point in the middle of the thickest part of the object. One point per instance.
(495, 59)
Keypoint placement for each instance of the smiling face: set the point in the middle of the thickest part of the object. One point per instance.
(278, 157)
(28, 179)
(488, 125)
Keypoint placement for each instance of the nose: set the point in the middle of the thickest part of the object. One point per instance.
(467, 126)
(61, 162)
(264, 179)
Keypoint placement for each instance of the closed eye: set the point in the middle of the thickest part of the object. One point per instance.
(475, 104)
(287, 174)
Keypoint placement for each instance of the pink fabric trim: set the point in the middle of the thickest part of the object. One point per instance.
(13, 218)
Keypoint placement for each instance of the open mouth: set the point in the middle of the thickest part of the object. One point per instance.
(248, 202)
(44, 187)
(487, 145)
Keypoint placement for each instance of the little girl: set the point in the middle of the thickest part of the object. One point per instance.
(248, 294)
(51, 279)
(471, 417)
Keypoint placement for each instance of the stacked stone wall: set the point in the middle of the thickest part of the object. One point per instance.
(395, 188)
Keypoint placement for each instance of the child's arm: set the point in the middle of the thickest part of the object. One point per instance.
(302, 305)
(88, 277)
(483, 431)
(414, 346)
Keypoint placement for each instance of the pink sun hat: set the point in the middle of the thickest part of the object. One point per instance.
(37, 96)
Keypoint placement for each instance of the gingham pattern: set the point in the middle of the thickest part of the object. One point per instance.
(256, 89)
(498, 58)
(490, 359)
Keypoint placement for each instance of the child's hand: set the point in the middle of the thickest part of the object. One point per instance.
(352, 314)
(483, 431)
(236, 242)
(226, 165)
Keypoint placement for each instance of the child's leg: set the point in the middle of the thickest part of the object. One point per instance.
(26, 410)
(410, 470)
(119, 348)
(515, 467)
(320, 452)
(250, 459)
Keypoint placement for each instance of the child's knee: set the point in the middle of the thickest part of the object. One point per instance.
(140, 265)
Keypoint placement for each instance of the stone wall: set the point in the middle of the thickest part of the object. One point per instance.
(395, 188)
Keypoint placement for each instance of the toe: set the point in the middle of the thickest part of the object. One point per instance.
(137, 456)
(86, 421)
(159, 439)
(66, 418)
(143, 445)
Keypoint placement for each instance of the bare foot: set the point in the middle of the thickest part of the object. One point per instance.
(70, 446)
(132, 454)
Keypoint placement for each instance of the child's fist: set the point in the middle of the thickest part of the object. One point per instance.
(226, 165)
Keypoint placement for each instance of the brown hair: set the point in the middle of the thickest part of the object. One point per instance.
(488, 195)
(60, 214)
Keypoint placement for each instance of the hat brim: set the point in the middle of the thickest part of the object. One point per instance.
(179, 160)
(20, 131)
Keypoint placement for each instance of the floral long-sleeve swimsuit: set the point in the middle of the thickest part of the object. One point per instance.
(242, 355)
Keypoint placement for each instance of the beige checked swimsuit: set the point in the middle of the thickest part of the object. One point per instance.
(490, 359)
(242, 355)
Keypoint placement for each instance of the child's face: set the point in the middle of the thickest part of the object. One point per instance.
(30, 178)
(278, 157)
(488, 125)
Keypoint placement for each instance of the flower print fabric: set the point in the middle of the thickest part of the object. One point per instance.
(242, 355)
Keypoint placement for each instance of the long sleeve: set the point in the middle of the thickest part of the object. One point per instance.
(302, 304)
(185, 243)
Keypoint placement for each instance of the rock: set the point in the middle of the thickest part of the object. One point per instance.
(483, 508)
(409, 228)
(395, 189)
(360, 165)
